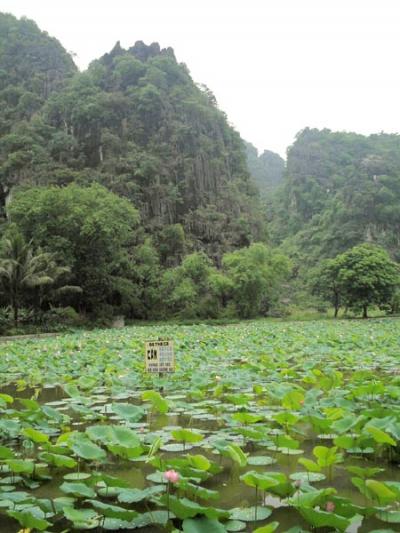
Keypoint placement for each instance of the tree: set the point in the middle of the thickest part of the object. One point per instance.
(367, 277)
(21, 269)
(171, 244)
(58, 292)
(193, 288)
(255, 274)
(325, 283)
(88, 229)
(146, 275)
(362, 276)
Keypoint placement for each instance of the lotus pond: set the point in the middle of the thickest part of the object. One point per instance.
(265, 426)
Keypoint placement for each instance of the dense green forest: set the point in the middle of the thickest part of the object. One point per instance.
(118, 172)
(340, 189)
(124, 190)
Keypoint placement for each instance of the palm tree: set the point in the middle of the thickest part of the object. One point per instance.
(46, 294)
(21, 269)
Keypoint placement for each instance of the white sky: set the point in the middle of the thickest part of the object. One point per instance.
(275, 66)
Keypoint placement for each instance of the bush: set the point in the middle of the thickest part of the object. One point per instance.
(64, 315)
(5, 319)
(103, 315)
(54, 319)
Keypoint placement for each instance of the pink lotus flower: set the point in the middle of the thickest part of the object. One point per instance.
(330, 507)
(172, 476)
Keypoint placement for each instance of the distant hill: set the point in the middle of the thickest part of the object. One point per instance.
(340, 189)
(266, 169)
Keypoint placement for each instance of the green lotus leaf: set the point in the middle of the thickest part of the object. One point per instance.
(364, 472)
(199, 462)
(260, 460)
(261, 481)
(250, 514)
(293, 400)
(82, 518)
(77, 489)
(155, 446)
(113, 511)
(159, 404)
(77, 476)
(35, 435)
(237, 455)
(392, 517)
(86, 449)
(6, 453)
(62, 461)
(235, 525)
(6, 398)
(29, 520)
(127, 411)
(285, 441)
(138, 495)
(72, 390)
(31, 405)
(380, 436)
(318, 518)
(312, 498)
(286, 418)
(310, 477)
(383, 493)
(185, 508)
(269, 528)
(198, 492)
(21, 466)
(186, 435)
(326, 456)
(310, 465)
(246, 418)
(202, 525)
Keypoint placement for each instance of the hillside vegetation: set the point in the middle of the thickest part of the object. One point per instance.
(340, 189)
(118, 174)
(124, 190)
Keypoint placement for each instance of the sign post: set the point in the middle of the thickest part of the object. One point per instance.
(159, 356)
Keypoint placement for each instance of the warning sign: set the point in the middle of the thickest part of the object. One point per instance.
(159, 356)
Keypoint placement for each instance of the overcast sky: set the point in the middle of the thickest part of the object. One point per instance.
(275, 66)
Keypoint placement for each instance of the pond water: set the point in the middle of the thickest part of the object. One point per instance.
(232, 491)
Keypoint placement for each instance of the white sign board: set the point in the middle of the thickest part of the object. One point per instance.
(159, 356)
